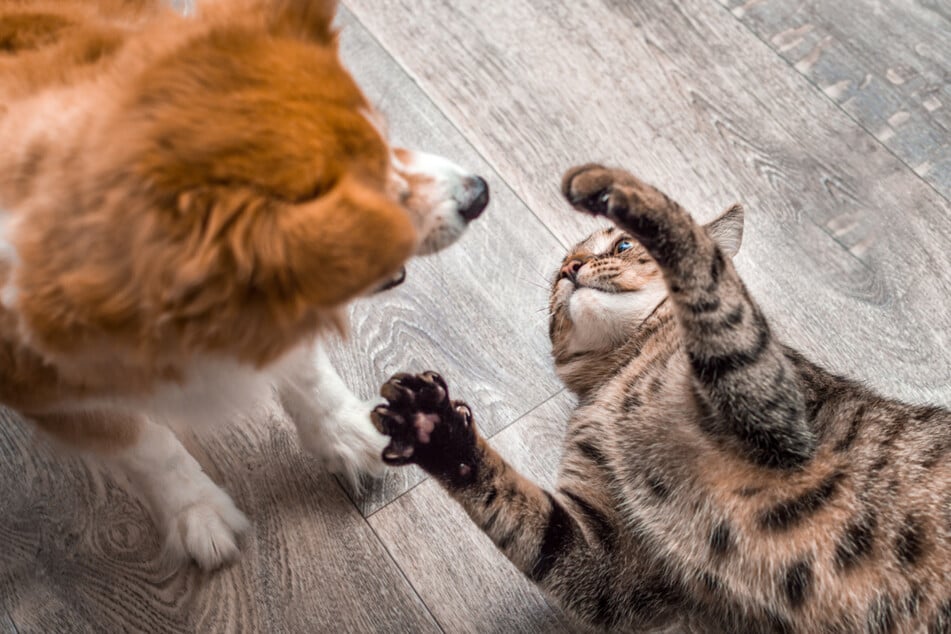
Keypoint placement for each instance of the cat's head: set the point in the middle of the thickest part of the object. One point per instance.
(608, 285)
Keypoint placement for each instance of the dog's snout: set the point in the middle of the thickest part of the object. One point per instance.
(476, 197)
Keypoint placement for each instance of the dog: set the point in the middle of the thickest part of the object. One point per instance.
(188, 204)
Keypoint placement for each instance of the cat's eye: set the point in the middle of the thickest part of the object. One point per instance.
(623, 246)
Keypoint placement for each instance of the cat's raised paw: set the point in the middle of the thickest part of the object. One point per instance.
(425, 426)
(614, 193)
(635, 206)
(589, 187)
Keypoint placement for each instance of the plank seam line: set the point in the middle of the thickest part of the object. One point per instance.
(837, 106)
(526, 413)
(403, 574)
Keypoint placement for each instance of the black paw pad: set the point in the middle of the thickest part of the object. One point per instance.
(426, 427)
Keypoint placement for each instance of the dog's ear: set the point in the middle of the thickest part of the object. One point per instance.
(311, 19)
(337, 246)
(319, 253)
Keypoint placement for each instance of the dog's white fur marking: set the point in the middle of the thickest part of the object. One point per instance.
(200, 520)
(331, 421)
(445, 196)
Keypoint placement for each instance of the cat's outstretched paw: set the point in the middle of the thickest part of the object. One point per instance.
(636, 207)
(426, 427)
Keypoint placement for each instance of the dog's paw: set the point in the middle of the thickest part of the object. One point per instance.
(354, 445)
(426, 427)
(206, 530)
(347, 443)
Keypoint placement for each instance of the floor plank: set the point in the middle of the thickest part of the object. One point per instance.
(476, 312)
(81, 555)
(6, 625)
(845, 246)
(900, 92)
(457, 570)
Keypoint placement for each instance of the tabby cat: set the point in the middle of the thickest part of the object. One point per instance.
(712, 477)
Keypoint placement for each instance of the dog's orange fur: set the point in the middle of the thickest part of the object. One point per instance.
(222, 193)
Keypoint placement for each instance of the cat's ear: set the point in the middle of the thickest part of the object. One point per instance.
(727, 230)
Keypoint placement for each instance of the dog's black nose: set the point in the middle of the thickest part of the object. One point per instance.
(477, 197)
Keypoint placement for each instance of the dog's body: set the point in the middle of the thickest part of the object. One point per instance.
(185, 207)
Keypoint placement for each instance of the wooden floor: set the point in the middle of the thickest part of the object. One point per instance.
(829, 120)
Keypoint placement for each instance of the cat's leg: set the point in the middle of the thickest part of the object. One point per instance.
(741, 373)
(332, 423)
(562, 541)
(199, 519)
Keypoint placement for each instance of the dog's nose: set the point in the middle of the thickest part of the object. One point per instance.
(477, 197)
(570, 269)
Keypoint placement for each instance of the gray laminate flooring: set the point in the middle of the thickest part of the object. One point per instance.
(829, 120)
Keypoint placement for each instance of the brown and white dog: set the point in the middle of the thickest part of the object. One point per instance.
(186, 204)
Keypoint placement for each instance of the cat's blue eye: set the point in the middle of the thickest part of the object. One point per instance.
(623, 246)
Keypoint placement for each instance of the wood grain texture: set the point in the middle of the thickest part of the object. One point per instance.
(885, 62)
(80, 553)
(476, 588)
(845, 246)
(476, 312)
(6, 624)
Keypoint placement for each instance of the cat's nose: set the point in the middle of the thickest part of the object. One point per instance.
(570, 269)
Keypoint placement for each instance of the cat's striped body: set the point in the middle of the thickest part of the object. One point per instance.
(711, 475)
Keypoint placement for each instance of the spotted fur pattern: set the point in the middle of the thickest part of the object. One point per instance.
(712, 478)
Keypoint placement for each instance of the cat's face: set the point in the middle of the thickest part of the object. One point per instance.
(608, 285)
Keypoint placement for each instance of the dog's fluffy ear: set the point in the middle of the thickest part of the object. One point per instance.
(312, 19)
(339, 245)
(319, 253)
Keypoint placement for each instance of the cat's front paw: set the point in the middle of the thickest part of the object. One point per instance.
(426, 427)
(636, 207)
(589, 187)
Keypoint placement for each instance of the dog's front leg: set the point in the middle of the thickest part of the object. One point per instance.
(331, 421)
(199, 519)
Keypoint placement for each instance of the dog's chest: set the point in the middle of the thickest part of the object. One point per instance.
(213, 392)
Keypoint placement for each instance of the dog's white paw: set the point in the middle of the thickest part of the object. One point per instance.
(348, 444)
(206, 530)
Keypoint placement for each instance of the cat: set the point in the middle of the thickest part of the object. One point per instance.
(713, 479)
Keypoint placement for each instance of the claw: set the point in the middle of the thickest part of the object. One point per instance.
(395, 392)
(395, 455)
(463, 409)
(598, 203)
(434, 378)
(385, 420)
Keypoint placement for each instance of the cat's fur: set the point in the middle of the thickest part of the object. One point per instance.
(712, 477)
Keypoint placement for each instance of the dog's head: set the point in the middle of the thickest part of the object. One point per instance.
(294, 124)
(230, 190)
